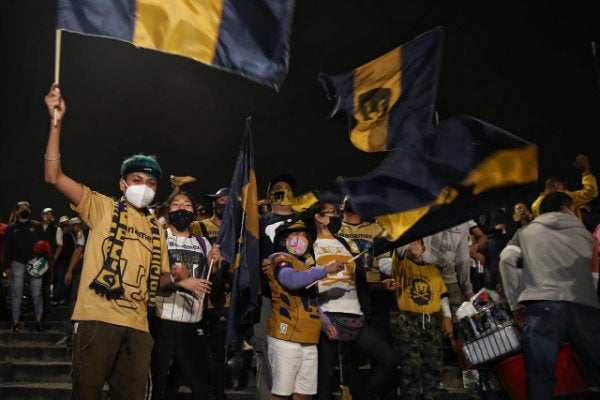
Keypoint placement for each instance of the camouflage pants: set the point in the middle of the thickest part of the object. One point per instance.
(418, 341)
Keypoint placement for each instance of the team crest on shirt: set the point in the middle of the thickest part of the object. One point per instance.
(420, 292)
(283, 328)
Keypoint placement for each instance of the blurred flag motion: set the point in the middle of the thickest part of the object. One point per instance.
(238, 238)
(465, 168)
(391, 100)
(248, 38)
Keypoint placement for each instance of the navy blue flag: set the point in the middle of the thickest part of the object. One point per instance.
(248, 38)
(466, 168)
(391, 100)
(238, 237)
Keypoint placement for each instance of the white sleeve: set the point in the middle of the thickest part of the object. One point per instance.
(384, 264)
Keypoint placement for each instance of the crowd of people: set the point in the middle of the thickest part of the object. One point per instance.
(150, 291)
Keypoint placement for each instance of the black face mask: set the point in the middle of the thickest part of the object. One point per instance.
(25, 214)
(181, 219)
(219, 208)
(348, 207)
(334, 225)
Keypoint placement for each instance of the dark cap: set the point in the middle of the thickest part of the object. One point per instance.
(141, 163)
(287, 178)
(224, 191)
(294, 225)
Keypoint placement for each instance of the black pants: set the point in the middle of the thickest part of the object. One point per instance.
(384, 360)
(183, 343)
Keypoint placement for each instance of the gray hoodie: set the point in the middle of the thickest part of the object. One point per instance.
(549, 259)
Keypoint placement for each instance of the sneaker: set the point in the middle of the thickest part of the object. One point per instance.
(38, 328)
(16, 328)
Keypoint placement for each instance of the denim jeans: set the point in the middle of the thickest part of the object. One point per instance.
(548, 324)
(17, 281)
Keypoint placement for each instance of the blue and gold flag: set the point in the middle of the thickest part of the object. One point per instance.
(248, 38)
(466, 168)
(238, 237)
(390, 100)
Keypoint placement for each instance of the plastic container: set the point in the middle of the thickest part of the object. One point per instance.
(569, 379)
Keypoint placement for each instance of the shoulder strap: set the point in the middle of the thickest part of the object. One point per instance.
(343, 241)
(202, 242)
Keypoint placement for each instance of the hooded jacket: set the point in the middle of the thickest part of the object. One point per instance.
(549, 259)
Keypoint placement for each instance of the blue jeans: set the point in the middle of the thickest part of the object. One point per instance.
(17, 281)
(547, 325)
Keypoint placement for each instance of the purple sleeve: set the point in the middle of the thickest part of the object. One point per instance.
(292, 279)
(325, 318)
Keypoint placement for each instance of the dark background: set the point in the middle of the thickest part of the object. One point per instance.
(524, 66)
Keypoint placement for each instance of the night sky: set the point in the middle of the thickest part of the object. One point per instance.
(524, 66)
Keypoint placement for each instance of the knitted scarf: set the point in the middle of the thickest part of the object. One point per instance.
(108, 282)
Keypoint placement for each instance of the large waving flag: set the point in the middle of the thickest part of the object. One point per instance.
(467, 167)
(238, 238)
(248, 38)
(391, 100)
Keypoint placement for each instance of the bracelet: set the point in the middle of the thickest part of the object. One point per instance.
(52, 158)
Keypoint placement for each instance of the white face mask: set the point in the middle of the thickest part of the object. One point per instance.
(139, 195)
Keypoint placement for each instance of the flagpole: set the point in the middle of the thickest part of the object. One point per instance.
(203, 294)
(57, 67)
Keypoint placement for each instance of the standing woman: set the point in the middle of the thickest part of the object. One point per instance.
(179, 308)
(344, 299)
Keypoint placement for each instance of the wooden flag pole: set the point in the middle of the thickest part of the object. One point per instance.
(203, 294)
(57, 68)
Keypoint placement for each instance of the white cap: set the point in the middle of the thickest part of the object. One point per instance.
(74, 221)
(62, 219)
(47, 210)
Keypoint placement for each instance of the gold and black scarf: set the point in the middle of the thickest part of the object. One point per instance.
(108, 282)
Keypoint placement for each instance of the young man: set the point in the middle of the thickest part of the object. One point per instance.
(280, 194)
(588, 191)
(547, 279)
(20, 238)
(217, 308)
(124, 264)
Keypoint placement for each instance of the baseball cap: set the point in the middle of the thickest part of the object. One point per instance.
(287, 178)
(224, 191)
(74, 220)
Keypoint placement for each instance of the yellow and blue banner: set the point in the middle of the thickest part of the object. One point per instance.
(248, 38)
(466, 168)
(390, 100)
(307, 199)
(238, 237)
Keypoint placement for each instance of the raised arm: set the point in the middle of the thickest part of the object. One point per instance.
(53, 173)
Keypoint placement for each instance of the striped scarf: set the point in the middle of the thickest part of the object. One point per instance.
(108, 282)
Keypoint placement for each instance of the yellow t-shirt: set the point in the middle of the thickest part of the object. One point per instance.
(421, 286)
(96, 210)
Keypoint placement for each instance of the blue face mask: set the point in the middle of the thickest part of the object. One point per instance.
(181, 219)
